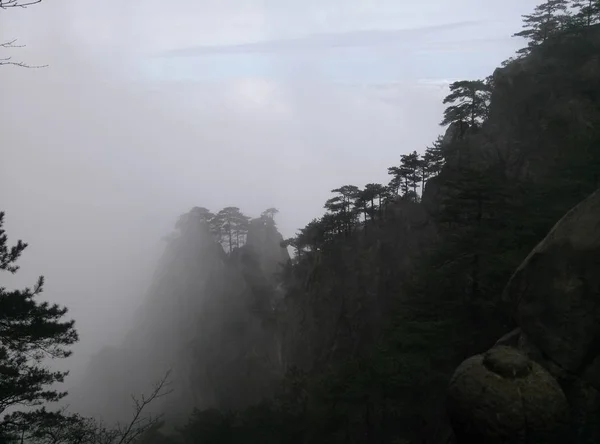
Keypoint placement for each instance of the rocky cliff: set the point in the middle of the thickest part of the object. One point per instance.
(441, 265)
(208, 318)
(545, 376)
(537, 383)
(339, 302)
(379, 311)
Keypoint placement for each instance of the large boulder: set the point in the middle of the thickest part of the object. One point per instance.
(556, 291)
(505, 397)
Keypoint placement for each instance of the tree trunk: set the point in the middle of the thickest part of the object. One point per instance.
(473, 101)
(368, 425)
(475, 264)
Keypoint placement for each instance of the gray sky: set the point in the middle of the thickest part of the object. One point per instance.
(149, 108)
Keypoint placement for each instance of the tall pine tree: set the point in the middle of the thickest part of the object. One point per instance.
(30, 332)
(546, 19)
(469, 101)
(587, 12)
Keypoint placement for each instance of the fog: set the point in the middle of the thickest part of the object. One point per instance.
(149, 108)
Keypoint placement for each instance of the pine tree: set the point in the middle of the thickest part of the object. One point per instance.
(270, 214)
(231, 226)
(587, 12)
(367, 197)
(341, 206)
(309, 238)
(470, 100)
(411, 165)
(405, 178)
(546, 19)
(396, 181)
(433, 160)
(241, 224)
(197, 217)
(30, 331)
(400, 184)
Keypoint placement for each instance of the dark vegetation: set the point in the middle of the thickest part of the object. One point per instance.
(395, 284)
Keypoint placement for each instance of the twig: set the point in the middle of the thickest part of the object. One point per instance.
(133, 430)
(4, 4)
(11, 44)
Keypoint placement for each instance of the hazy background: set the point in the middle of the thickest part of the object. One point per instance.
(148, 108)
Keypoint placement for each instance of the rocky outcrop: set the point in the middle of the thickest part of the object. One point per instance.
(264, 239)
(556, 291)
(503, 396)
(207, 319)
(554, 354)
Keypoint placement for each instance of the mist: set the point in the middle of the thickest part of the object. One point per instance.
(147, 109)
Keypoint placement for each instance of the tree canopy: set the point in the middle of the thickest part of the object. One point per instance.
(30, 331)
(546, 20)
(469, 102)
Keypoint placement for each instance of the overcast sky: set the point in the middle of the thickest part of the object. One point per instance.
(151, 107)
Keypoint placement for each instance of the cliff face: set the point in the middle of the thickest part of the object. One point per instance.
(503, 186)
(544, 126)
(208, 317)
(555, 294)
(338, 304)
(229, 328)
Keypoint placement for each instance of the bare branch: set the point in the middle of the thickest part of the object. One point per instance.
(43, 427)
(139, 425)
(5, 4)
(11, 44)
(9, 61)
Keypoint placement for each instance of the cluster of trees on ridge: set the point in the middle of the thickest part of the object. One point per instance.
(229, 226)
(468, 102)
(391, 387)
(468, 108)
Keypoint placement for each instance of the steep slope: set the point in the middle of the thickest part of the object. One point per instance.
(377, 311)
(207, 318)
(556, 300)
(338, 301)
(434, 271)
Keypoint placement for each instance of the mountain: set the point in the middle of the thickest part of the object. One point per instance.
(355, 338)
(207, 318)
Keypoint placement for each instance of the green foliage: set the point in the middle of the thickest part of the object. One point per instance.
(432, 161)
(30, 331)
(546, 20)
(229, 226)
(469, 101)
(269, 214)
(414, 171)
(587, 13)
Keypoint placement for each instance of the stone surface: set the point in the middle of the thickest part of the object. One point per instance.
(556, 291)
(504, 397)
